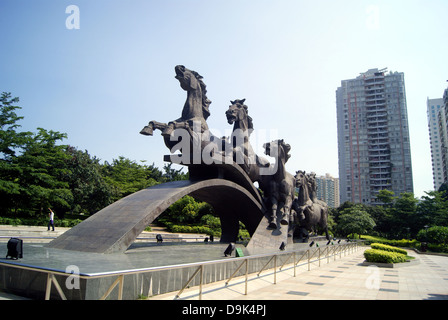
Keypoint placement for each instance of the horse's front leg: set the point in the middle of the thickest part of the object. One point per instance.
(149, 129)
(273, 217)
(286, 212)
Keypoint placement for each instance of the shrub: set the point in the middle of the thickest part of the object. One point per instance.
(381, 256)
(192, 229)
(38, 222)
(437, 235)
(398, 243)
(386, 247)
(442, 248)
(211, 221)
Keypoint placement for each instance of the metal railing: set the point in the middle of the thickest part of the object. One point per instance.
(318, 253)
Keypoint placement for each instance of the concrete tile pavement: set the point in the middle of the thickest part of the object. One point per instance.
(343, 278)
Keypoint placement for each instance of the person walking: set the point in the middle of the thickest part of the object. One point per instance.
(51, 222)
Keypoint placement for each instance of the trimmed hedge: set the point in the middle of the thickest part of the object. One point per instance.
(66, 223)
(385, 247)
(381, 256)
(193, 229)
(398, 243)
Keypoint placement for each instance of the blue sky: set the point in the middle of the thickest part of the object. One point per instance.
(103, 82)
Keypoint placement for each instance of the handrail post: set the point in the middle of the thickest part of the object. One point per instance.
(275, 269)
(118, 281)
(308, 251)
(247, 272)
(294, 262)
(265, 266)
(284, 262)
(188, 282)
(48, 289)
(234, 273)
(120, 287)
(319, 255)
(201, 275)
(51, 279)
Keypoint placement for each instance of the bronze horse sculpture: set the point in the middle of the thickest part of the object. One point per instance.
(194, 113)
(310, 212)
(279, 187)
(243, 153)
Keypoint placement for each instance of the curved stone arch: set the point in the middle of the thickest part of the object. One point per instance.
(115, 228)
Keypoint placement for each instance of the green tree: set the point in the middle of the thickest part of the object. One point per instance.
(43, 173)
(382, 217)
(405, 219)
(11, 141)
(126, 177)
(433, 209)
(354, 219)
(172, 174)
(187, 210)
(444, 190)
(90, 191)
(386, 197)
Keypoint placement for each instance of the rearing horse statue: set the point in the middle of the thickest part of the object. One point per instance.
(195, 110)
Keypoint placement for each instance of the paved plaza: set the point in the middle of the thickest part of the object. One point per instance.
(342, 279)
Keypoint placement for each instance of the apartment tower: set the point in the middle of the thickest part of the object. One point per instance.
(443, 135)
(328, 190)
(433, 108)
(373, 136)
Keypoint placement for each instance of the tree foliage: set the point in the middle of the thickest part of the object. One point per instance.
(38, 171)
(401, 216)
(355, 220)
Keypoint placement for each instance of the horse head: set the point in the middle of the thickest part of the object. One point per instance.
(277, 149)
(189, 80)
(300, 178)
(238, 114)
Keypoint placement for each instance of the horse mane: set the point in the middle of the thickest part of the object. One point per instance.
(205, 101)
(286, 148)
(250, 123)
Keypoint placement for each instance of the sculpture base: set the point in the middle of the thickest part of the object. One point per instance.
(32, 284)
(266, 240)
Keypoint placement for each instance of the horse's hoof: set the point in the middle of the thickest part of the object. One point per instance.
(284, 222)
(147, 131)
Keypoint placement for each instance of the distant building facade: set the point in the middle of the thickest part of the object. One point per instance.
(373, 136)
(437, 129)
(443, 135)
(328, 190)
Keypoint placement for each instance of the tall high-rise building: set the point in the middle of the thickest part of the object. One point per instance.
(434, 107)
(443, 135)
(328, 190)
(373, 136)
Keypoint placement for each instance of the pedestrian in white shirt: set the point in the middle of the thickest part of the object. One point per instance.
(51, 222)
